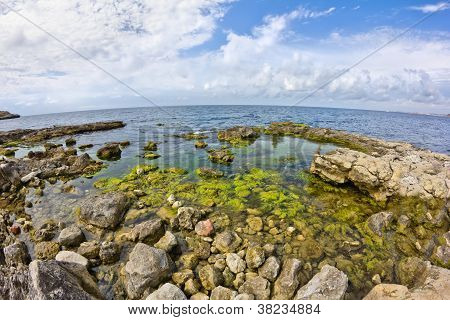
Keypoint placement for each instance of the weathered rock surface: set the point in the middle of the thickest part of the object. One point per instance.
(188, 217)
(287, 282)
(71, 236)
(227, 241)
(224, 155)
(16, 253)
(270, 269)
(235, 263)
(167, 242)
(71, 257)
(255, 257)
(167, 291)
(149, 231)
(222, 293)
(239, 135)
(104, 210)
(210, 277)
(146, 267)
(328, 284)
(109, 152)
(378, 221)
(257, 286)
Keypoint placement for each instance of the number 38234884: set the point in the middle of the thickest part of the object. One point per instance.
(288, 308)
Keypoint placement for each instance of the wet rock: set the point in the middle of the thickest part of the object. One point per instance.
(239, 135)
(204, 228)
(235, 263)
(86, 146)
(109, 252)
(89, 250)
(270, 269)
(71, 236)
(254, 257)
(222, 293)
(52, 280)
(146, 267)
(151, 146)
(70, 142)
(209, 173)
(150, 155)
(223, 156)
(287, 282)
(200, 144)
(72, 257)
(16, 253)
(149, 231)
(227, 241)
(187, 217)
(257, 286)
(109, 152)
(210, 277)
(46, 250)
(328, 284)
(441, 255)
(255, 223)
(167, 291)
(46, 232)
(378, 221)
(167, 242)
(171, 199)
(30, 176)
(104, 210)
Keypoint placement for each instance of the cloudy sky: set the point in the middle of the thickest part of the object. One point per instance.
(187, 52)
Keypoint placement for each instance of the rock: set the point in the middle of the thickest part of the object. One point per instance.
(167, 291)
(16, 253)
(171, 199)
(409, 269)
(182, 276)
(86, 146)
(188, 260)
(209, 173)
(151, 146)
(235, 263)
(72, 257)
(109, 152)
(287, 282)
(192, 286)
(255, 223)
(200, 144)
(14, 282)
(201, 248)
(239, 135)
(222, 293)
(104, 210)
(270, 269)
(5, 115)
(227, 241)
(71, 236)
(177, 204)
(53, 280)
(255, 257)
(223, 156)
(149, 231)
(30, 176)
(210, 277)
(167, 242)
(151, 155)
(200, 296)
(257, 286)
(109, 252)
(204, 228)
(187, 217)
(378, 221)
(89, 250)
(70, 142)
(328, 284)
(244, 296)
(387, 291)
(146, 267)
(46, 250)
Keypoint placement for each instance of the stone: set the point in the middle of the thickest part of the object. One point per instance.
(227, 241)
(408, 270)
(200, 296)
(209, 173)
(187, 217)
(53, 280)
(177, 204)
(192, 286)
(244, 296)
(239, 280)
(109, 152)
(182, 276)
(329, 284)
(146, 267)
(255, 257)
(204, 228)
(89, 250)
(270, 269)
(16, 253)
(167, 291)
(46, 250)
(200, 144)
(109, 252)
(287, 282)
(210, 277)
(235, 263)
(70, 142)
(201, 248)
(223, 155)
(257, 286)
(188, 260)
(71, 236)
(104, 210)
(167, 242)
(387, 291)
(378, 221)
(72, 257)
(222, 293)
(149, 231)
(255, 223)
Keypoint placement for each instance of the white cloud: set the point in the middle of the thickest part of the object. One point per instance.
(429, 8)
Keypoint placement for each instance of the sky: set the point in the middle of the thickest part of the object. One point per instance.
(197, 52)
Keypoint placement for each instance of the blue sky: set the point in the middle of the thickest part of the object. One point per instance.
(224, 52)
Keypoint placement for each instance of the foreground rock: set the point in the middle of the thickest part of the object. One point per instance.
(104, 210)
(287, 282)
(167, 291)
(328, 284)
(5, 115)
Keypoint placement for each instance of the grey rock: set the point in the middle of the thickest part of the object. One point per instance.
(71, 236)
(287, 282)
(255, 257)
(270, 269)
(257, 286)
(244, 296)
(222, 293)
(227, 241)
(109, 252)
(329, 284)
(104, 210)
(187, 218)
(378, 221)
(167, 242)
(167, 291)
(235, 263)
(72, 257)
(16, 253)
(149, 231)
(89, 249)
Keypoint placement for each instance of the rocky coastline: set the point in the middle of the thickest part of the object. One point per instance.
(5, 115)
(369, 220)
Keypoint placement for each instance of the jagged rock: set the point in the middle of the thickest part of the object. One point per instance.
(204, 228)
(16, 253)
(192, 286)
(109, 152)
(167, 242)
(257, 286)
(167, 291)
(270, 269)
(14, 283)
(187, 217)
(378, 221)
(71, 236)
(239, 135)
(146, 267)
(328, 284)
(287, 282)
(72, 257)
(89, 250)
(104, 210)
(255, 223)
(254, 257)
(5, 115)
(235, 263)
(210, 277)
(227, 241)
(70, 142)
(244, 296)
(149, 231)
(222, 293)
(109, 252)
(182, 276)
(201, 248)
(409, 269)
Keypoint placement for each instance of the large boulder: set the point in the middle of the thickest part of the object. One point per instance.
(146, 267)
(287, 282)
(104, 210)
(53, 280)
(167, 291)
(328, 284)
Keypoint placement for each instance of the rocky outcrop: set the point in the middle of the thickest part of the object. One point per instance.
(223, 156)
(239, 135)
(328, 284)
(5, 115)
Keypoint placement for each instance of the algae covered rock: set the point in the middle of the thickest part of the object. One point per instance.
(109, 152)
(227, 241)
(46, 250)
(210, 277)
(378, 221)
(209, 173)
(223, 156)
(255, 257)
(222, 293)
(16, 253)
(239, 135)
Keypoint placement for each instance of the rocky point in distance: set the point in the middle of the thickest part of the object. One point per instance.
(5, 115)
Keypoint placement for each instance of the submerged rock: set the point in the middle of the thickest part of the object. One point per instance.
(204, 228)
(227, 241)
(378, 221)
(328, 284)
(188, 217)
(109, 252)
(104, 210)
(223, 156)
(110, 152)
(209, 173)
(167, 291)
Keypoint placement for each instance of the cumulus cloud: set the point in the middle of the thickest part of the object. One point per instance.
(142, 43)
(429, 8)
